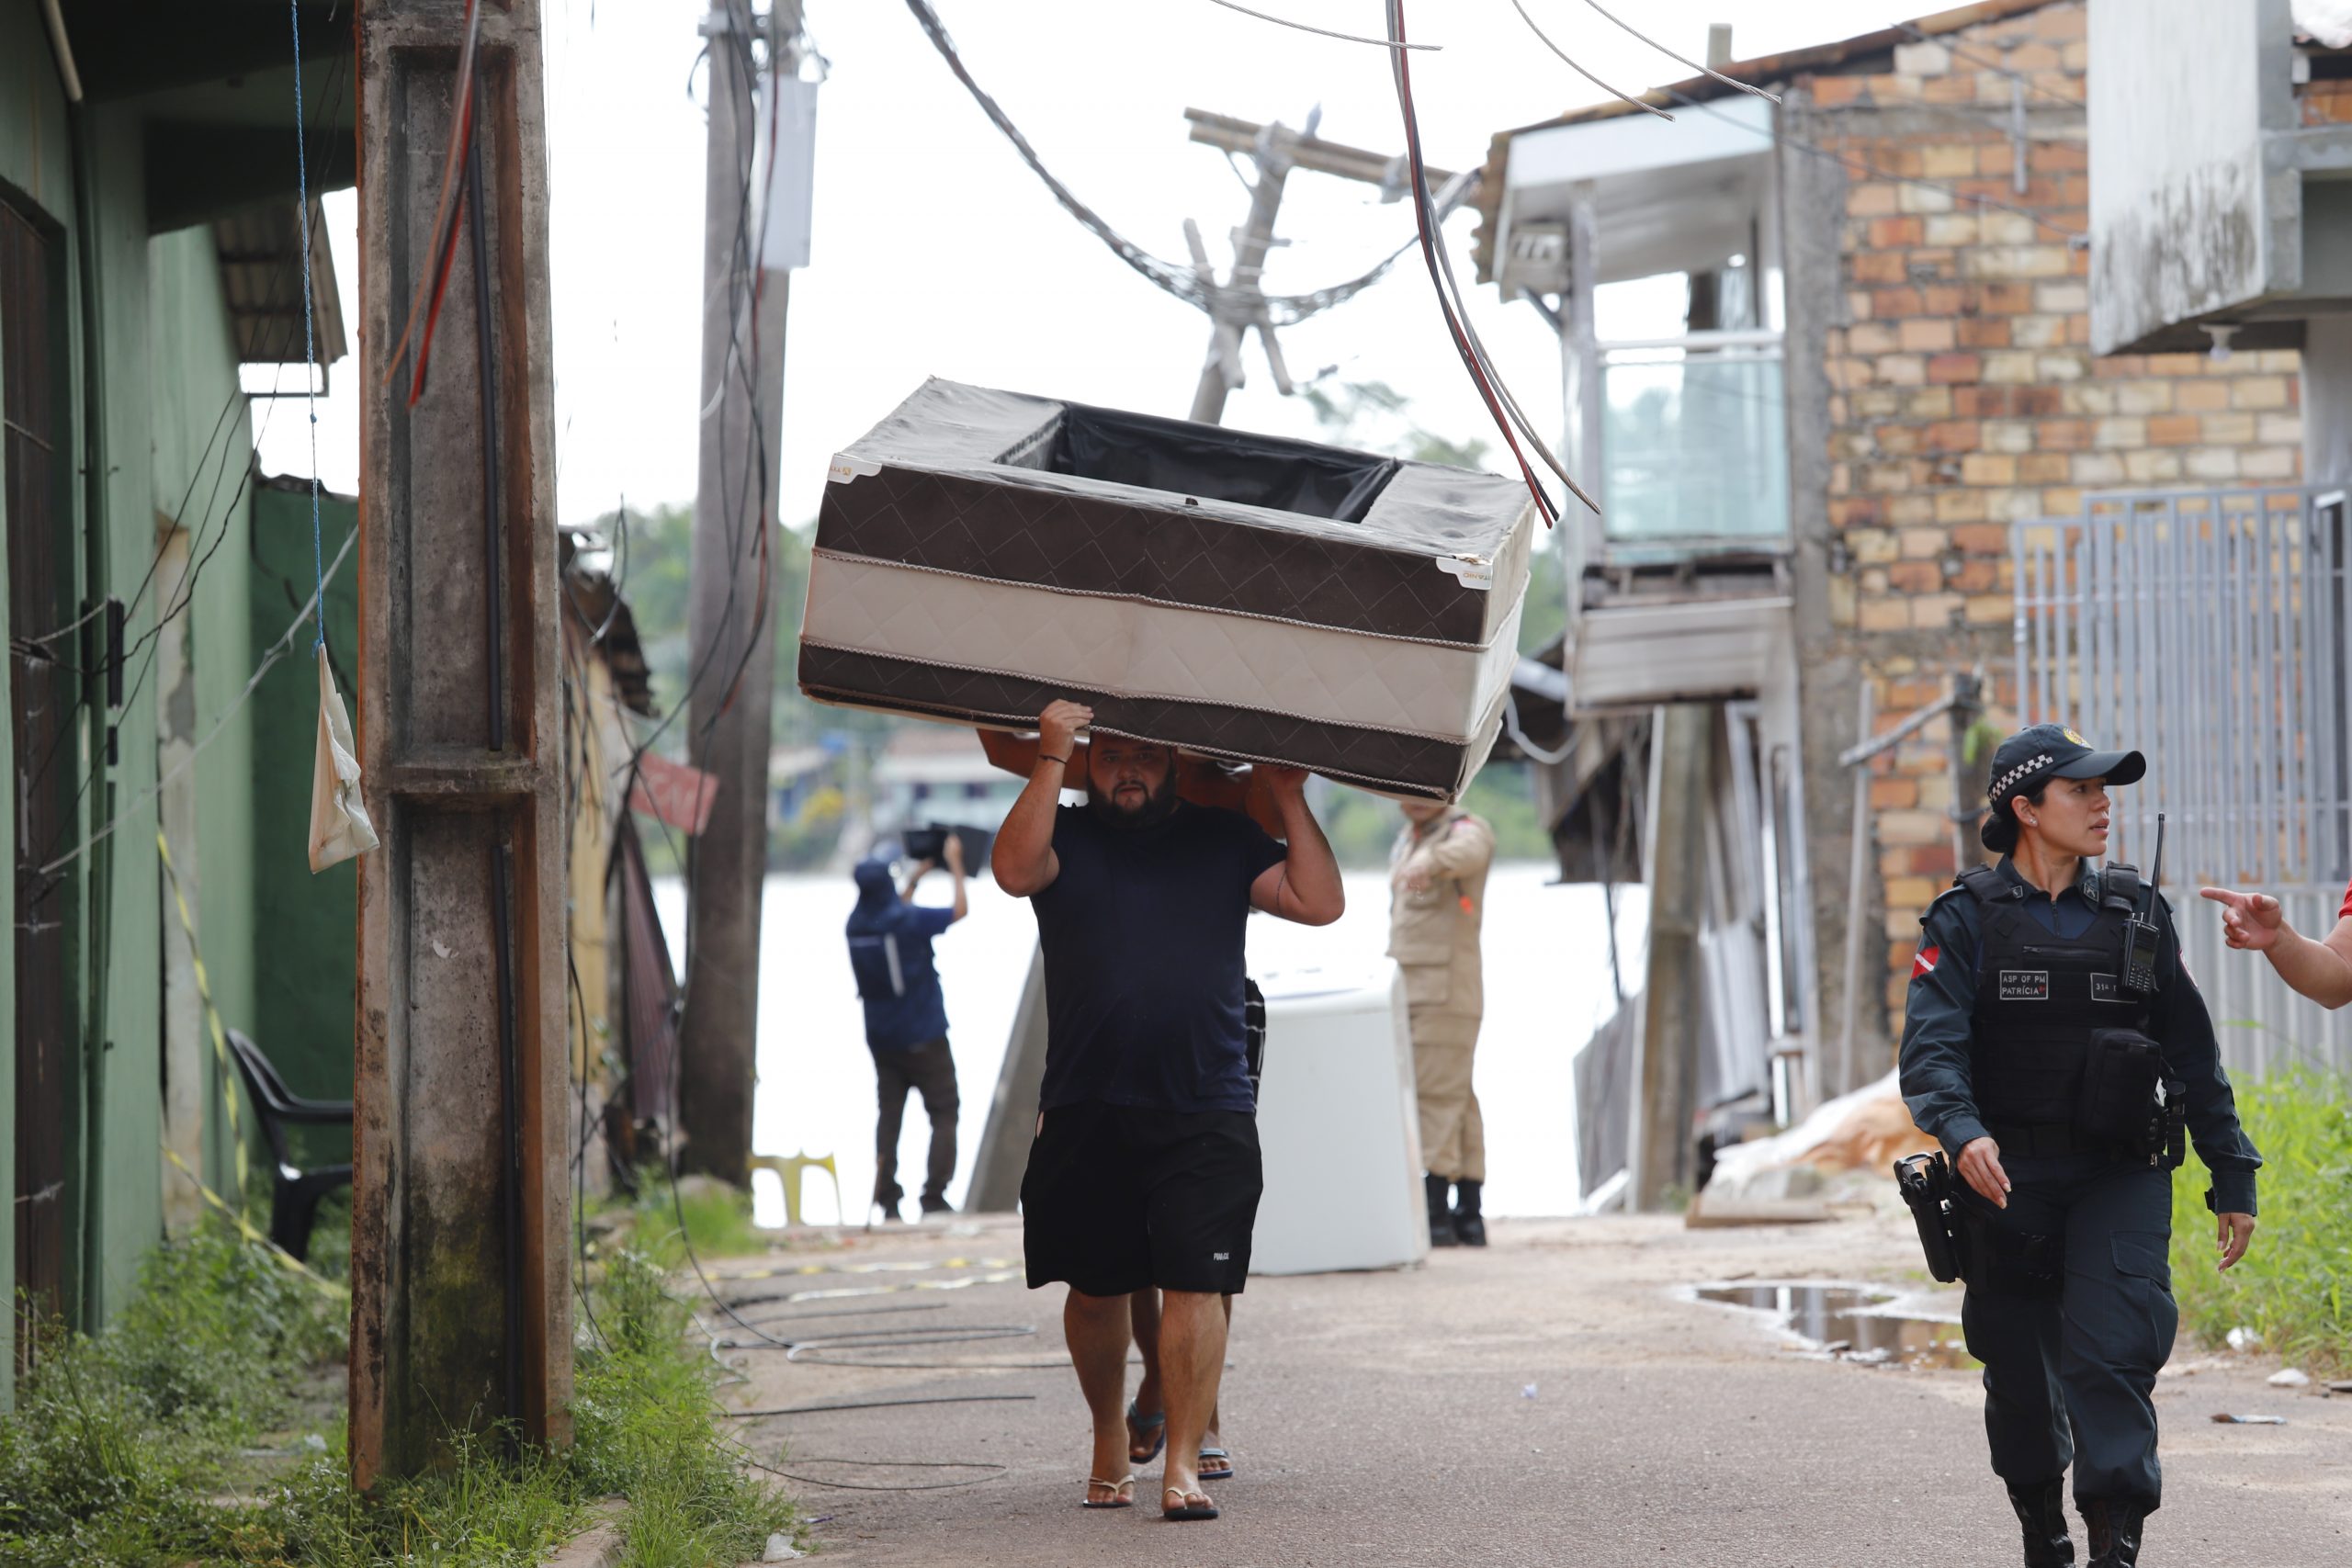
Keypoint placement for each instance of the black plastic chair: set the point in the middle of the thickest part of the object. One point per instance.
(294, 1193)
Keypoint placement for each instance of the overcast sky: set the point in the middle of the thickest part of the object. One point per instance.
(936, 252)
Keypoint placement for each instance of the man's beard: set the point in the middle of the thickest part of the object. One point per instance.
(1158, 804)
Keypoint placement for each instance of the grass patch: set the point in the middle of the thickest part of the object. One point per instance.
(130, 1449)
(117, 1439)
(2290, 1288)
(715, 1217)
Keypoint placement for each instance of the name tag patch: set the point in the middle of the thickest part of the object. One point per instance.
(2025, 985)
(2104, 988)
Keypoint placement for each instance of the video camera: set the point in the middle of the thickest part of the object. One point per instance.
(930, 842)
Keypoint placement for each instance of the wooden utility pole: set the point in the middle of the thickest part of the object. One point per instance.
(1683, 750)
(461, 1299)
(733, 611)
(1240, 305)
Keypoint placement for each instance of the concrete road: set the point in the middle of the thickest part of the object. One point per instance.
(1547, 1400)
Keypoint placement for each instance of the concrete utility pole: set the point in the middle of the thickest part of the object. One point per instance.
(732, 617)
(461, 1196)
(1670, 1008)
(1241, 305)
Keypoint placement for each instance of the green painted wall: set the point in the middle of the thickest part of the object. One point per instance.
(124, 1024)
(201, 480)
(168, 391)
(36, 170)
(308, 925)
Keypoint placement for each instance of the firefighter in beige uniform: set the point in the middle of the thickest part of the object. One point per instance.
(1437, 888)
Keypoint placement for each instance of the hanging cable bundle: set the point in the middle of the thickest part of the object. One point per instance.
(1508, 417)
(448, 212)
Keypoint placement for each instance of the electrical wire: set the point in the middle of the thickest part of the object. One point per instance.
(1182, 281)
(148, 641)
(277, 650)
(310, 349)
(1324, 32)
(1474, 358)
(336, 78)
(836, 1311)
(994, 1470)
(881, 1405)
(447, 211)
(1684, 59)
(1570, 62)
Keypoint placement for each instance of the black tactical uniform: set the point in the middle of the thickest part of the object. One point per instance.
(2069, 1302)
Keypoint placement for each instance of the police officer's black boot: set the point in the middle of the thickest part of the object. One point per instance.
(1468, 1226)
(2043, 1511)
(1441, 1216)
(2115, 1532)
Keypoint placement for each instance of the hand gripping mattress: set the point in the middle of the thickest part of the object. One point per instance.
(979, 554)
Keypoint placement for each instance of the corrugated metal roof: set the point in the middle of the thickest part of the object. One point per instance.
(261, 274)
(1763, 71)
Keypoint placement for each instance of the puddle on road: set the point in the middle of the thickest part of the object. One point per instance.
(1846, 1322)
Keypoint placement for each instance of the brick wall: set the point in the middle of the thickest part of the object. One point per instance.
(1964, 398)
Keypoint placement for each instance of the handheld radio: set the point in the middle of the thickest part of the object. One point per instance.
(2140, 930)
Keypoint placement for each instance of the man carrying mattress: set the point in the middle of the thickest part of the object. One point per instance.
(1147, 1110)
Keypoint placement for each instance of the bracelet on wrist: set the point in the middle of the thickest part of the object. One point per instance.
(1045, 757)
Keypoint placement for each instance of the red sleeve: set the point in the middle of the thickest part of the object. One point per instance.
(2345, 912)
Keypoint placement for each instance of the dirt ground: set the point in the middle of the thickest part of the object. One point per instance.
(1548, 1399)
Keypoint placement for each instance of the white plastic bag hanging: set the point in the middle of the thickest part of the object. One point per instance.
(339, 825)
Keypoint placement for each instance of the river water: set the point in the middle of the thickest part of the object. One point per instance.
(1547, 984)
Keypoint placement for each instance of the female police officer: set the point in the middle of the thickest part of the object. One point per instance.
(2025, 1030)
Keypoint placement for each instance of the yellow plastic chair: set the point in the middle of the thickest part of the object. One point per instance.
(788, 1169)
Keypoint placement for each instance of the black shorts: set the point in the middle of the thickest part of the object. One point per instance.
(1118, 1197)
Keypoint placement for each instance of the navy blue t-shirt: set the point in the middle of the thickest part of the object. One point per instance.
(889, 953)
(1142, 933)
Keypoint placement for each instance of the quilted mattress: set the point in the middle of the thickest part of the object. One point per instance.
(980, 553)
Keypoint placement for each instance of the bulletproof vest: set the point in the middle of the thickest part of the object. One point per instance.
(2039, 997)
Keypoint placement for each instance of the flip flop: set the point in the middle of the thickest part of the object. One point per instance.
(1225, 1474)
(1122, 1492)
(1138, 1426)
(1187, 1509)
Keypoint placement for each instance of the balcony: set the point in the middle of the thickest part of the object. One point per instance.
(1693, 445)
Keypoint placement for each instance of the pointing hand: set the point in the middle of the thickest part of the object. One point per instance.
(2250, 921)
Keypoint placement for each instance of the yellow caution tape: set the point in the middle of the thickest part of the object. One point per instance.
(229, 1097)
(220, 1035)
(246, 1228)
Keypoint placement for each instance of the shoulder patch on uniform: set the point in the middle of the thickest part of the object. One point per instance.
(1925, 963)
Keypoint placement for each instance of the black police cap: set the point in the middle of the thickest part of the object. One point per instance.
(2042, 752)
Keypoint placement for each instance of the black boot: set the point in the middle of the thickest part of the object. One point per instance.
(1440, 1217)
(2114, 1525)
(2043, 1511)
(1467, 1223)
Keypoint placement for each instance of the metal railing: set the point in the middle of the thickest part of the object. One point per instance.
(2207, 629)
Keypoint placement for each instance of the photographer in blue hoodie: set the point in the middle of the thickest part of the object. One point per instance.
(906, 1017)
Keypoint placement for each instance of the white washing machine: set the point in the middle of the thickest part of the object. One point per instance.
(1339, 1125)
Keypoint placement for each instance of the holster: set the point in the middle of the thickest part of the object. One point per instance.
(1924, 1181)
